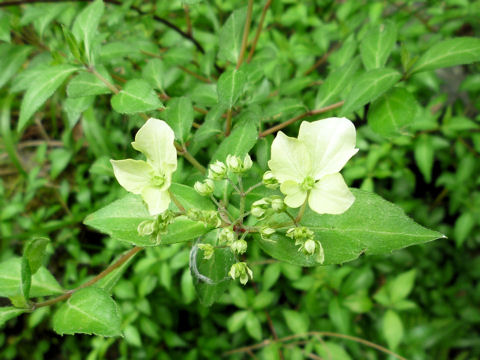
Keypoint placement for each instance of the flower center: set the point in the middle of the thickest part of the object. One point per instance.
(307, 183)
(158, 180)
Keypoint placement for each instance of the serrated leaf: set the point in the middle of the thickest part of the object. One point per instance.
(377, 45)
(13, 56)
(368, 87)
(392, 112)
(392, 329)
(240, 142)
(85, 26)
(9, 312)
(137, 96)
(43, 282)
(230, 87)
(88, 311)
(42, 86)
(87, 84)
(179, 115)
(230, 35)
(371, 226)
(451, 52)
(210, 277)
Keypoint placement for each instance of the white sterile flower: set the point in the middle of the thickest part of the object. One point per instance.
(152, 178)
(309, 165)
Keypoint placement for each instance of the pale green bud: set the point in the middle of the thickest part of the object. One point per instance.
(266, 233)
(270, 181)
(260, 207)
(217, 170)
(247, 162)
(242, 271)
(277, 204)
(205, 188)
(239, 247)
(309, 246)
(300, 234)
(226, 236)
(146, 227)
(208, 217)
(208, 250)
(237, 165)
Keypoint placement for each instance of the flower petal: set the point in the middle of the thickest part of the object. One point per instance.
(132, 175)
(330, 142)
(330, 195)
(155, 140)
(157, 200)
(295, 195)
(290, 159)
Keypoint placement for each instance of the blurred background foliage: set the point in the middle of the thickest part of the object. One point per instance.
(421, 302)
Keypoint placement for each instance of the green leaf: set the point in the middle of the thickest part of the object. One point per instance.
(85, 26)
(35, 252)
(137, 96)
(297, 322)
(179, 115)
(392, 329)
(253, 326)
(377, 45)
(43, 85)
(43, 282)
(210, 277)
(9, 312)
(230, 36)
(26, 280)
(424, 156)
(13, 56)
(230, 87)
(87, 84)
(392, 112)
(372, 226)
(330, 350)
(5, 27)
(108, 282)
(368, 87)
(401, 286)
(154, 72)
(463, 227)
(59, 158)
(451, 52)
(339, 315)
(337, 83)
(240, 142)
(236, 321)
(211, 127)
(8, 138)
(121, 218)
(88, 311)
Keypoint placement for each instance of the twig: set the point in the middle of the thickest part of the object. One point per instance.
(321, 60)
(259, 30)
(246, 30)
(299, 117)
(92, 281)
(190, 72)
(187, 19)
(112, 87)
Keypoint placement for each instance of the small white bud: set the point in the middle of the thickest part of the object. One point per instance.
(277, 204)
(208, 250)
(239, 246)
(237, 165)
(226, 236)
(266, 233)
(269, 180)
(247, 162)
(309, 246)
(242, 271)
(205, 188)
(146, 227)
(260, 207)
(217, 170)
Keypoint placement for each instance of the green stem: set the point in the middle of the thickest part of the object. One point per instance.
(301, 211)
(242, 199)
(102, 79)
(253, 187)
(175, 200)
(193, 161)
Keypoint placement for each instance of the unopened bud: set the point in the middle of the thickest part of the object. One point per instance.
(237, 165)
(269, 180)
(205, 188)
(277, 204)
(260, 207)
(146, 227)
(239, 247)
(266, 233)
(300, 233)
(208, 250)
(208, 217)
(309, 246)
(226, 236)
(242, 271)
(217, 170)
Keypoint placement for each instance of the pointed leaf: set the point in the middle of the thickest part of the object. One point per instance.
(9, 312)
(377, 45)
(88, 311)
(240, 142)
(230, 36)
(86, 84)
(230, 87)
(86, 23)
(179, 115)
(13, 56)
(34, 252)
(137, 96)
(392, 329)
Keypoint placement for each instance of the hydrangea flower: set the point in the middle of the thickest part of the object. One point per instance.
(308, 166)
(152, 178)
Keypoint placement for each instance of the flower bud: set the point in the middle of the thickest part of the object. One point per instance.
(208, 250)
(269, 180)
(309, 246)
(226, 236)
(242, 271)
(237, 165)
(217, 170)
(239, 246)
(266, 233)
(260, 207)
(205, 188)
(277, 204)
(208, 217)
(300, 234)
(146, 227)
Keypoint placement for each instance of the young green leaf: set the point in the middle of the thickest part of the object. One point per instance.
(297, 322)
(9, 312)
(450, 52)
(230, 87)
(372, 225)
(392, 112)
(154, 72)
(34, 253)
(13, 56)
(42, 86)
(424, 156)
(401, 286)
(230, 36)
(377, 45)
(88, 311)
(136, 96)
(87, 84)
(85, 26)
(253, 326)
(368, 87)
(240, 142)
(392, 329)
(5, 28)
(179, 115)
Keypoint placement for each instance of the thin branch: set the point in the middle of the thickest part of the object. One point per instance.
(92, 281)
(322, 60)
(259, 30)
(299, 117)
(187, 19)
(112, 87)
(194, 74)
(184, 152)
(246, 30)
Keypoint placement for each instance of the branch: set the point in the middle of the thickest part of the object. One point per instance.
(92, 281)
(299, 117)
(259, 30)
(246, 30)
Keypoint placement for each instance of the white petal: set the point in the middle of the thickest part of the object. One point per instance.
(133, 175)
(155, 139)
(295, 195)
(330, 142)
(290, 159)
(157, 200)
(330, 195)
